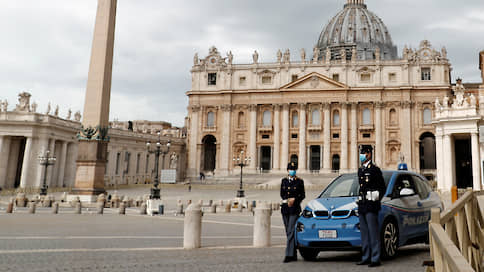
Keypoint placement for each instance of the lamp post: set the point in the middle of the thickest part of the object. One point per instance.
(241, 161)
(45, 160)
(155, 191)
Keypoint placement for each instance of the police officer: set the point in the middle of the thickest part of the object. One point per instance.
(372, 189)
(292, 194)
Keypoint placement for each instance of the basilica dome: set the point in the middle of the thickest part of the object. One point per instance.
(355, 27)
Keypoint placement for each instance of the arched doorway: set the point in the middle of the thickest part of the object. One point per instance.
(294, 159)
(335, 163)
(427, 151)
(208, 153)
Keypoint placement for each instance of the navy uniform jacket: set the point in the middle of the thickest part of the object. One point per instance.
(370, 179)
(292, 188)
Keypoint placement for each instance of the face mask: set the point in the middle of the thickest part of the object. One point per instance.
(292, 173)
(362, 158)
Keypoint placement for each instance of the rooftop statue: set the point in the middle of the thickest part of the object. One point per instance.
(23, 102)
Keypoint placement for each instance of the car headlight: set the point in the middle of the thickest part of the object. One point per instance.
(355, 213)
(307, 214)
(300, 227)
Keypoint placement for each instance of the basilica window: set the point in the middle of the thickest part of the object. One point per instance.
(266, 118)
(127, 159)
(426, 74)
(138, 157)
(392, 77)
(242, 81)
(366, 117)
(118, 158)
(241, 120)
(393, 117)
(427, 116)
(147, 163)
(294, 78)
(295, 119)
(336, 77)
(315, 118)
(266, 80)
(212, 79)
(365, 77)
(210, 119)
(336, 121)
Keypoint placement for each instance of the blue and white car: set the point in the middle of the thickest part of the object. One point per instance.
(330, 222)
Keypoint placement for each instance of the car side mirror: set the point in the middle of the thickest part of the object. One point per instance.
(407, 192)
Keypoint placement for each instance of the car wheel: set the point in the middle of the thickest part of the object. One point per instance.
(309, 254)
(389, 239)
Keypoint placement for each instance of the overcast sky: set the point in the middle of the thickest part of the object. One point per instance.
(46, 44)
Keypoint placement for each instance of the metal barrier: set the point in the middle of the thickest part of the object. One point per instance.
(457, 235)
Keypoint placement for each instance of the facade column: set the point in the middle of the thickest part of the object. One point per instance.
(193, 166)
(43, 146)
(448, 166)
(50, 174)
(62, 165)
(406, 121)
(225, 158)
(476, 168)
(302, 138)
(253, 138)
(26, 164)
(4, 153)
(354, 139)
(285, 137)
(440, 161)
(327, 139)
(277, 138)
(344, 137)
(378, 132)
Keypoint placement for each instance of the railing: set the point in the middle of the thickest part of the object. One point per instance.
(457, 235)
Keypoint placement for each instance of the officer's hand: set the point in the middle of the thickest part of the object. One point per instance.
(290, 201)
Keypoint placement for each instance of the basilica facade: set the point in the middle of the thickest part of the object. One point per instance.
(319, 108)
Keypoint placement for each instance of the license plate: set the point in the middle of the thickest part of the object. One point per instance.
(327, 234)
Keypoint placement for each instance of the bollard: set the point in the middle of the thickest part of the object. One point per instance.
(78, 208)
(228, 206)
(142, 209)
(55, 208)
(10, 207)
(32, 206)
(213, 208)
(179, 208)
(101, 199)
(454, 194)
(100, 207)
(262, 226)
(115, 201)
(192, 229)
(21, 200)
(122, 208)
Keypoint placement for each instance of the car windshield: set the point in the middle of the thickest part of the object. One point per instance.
(347, 186)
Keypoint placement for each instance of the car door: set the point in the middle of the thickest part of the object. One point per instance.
(406, 207)
(425, 202)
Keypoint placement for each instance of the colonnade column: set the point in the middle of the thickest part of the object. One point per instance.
(302, 138)
(193, 140)
(344, 137)
(406, 122)
(327, 139)
(4, 153)
(62, 165)
(354, 138)
(476, 168)
(277, 138)
(448, 167)
(378, 136)
(224, 157)
(440, 162)
(26, 163)
(285, 136)
(43, 147)
(252, 137)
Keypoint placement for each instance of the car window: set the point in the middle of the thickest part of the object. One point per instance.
(423, 189)
(402, 182)
(343, 186)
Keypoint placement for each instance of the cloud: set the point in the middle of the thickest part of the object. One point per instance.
(46, 45)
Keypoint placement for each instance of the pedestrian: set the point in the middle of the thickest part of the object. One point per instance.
(189, 186)
(292, 194)
(202, 176)
(372, 189)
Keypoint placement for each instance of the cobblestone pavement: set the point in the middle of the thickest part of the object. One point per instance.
(110, 242)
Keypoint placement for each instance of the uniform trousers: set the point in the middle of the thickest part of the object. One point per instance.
(290, 225)
(370, 237)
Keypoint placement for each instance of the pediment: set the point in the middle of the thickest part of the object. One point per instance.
(314, 81)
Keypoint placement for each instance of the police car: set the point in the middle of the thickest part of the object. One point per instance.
(331, 221)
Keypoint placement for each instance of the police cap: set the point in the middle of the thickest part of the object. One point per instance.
(292, 166)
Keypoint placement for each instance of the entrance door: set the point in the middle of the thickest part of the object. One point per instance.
(315, 158)
(335, 164)
(463, 163)
(209, 153)
(20, 162)
(265, 158)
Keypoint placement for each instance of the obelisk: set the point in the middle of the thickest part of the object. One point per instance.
(93, 138)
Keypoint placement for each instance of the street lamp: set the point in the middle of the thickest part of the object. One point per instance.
(155, 191)
(45, 161)
(241, 161)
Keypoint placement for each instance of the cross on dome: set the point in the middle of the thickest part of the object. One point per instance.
(355, 2)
